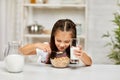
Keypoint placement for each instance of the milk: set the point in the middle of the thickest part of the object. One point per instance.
(72, 56)
(14, 63)
(74, 45)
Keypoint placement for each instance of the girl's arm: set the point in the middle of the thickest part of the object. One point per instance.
(30, 49)
(86, 59)
(82, 55)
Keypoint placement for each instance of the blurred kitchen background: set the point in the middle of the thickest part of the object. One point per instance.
(98, 16)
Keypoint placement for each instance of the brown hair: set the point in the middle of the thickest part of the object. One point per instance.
(63, 25)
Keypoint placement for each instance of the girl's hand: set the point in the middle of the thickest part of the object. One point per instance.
(79, 52)
(43, 46)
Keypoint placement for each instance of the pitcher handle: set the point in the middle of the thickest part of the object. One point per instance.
(6, 51)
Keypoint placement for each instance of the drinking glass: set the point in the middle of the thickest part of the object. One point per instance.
(73, 46)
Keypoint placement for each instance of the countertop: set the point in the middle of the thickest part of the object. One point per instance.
(35, 71)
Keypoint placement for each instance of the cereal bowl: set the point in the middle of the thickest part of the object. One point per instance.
(59, 59)
(61, 62)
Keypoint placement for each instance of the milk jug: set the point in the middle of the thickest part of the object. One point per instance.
(14, 61)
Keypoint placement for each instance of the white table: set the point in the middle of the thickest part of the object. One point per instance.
(47, 72)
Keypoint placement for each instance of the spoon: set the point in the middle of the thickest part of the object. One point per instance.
(58, 52)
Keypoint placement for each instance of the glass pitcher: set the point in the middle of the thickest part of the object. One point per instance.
(14, 61)
(12, 48)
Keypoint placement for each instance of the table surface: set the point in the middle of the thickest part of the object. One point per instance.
(34, 71)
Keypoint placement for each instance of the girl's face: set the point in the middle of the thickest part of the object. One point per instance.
(62, 39)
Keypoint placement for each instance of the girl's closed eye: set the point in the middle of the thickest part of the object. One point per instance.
(67, 41)
(59, 41)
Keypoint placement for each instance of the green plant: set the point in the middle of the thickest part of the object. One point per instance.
(114, 40)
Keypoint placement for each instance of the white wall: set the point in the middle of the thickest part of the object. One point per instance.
(100, 16)
(7, 23)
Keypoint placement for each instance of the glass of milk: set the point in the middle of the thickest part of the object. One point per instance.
(73, 46)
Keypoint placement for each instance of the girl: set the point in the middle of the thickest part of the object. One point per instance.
(62, 33)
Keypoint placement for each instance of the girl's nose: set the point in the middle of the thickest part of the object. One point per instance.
(62, 44)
